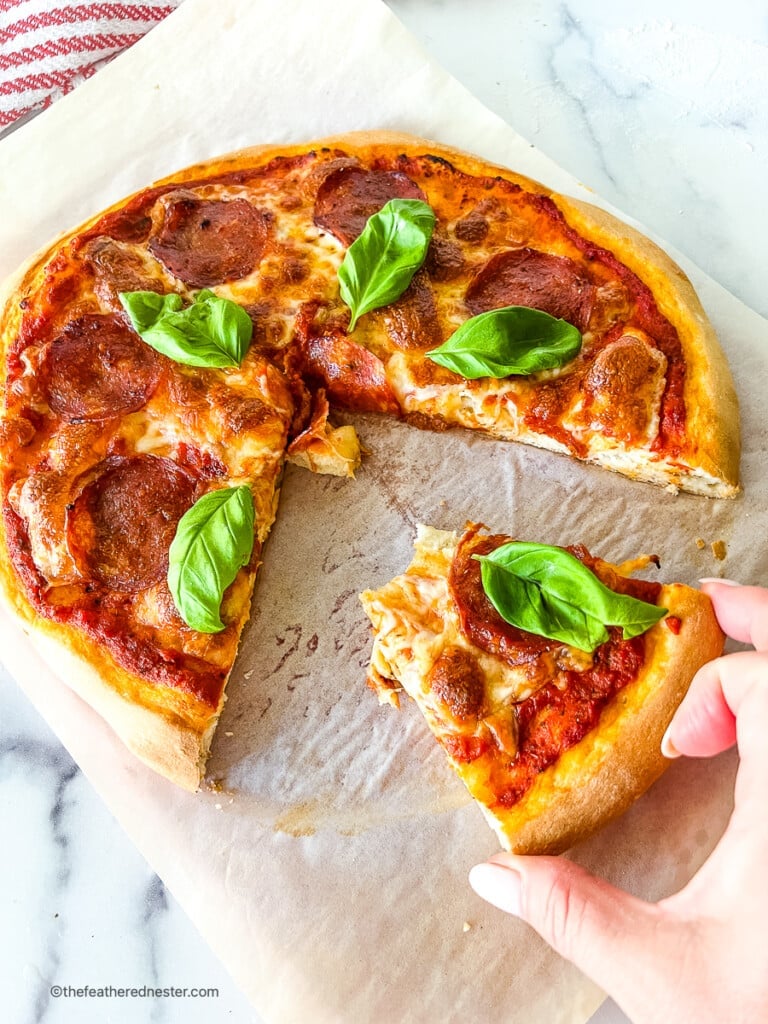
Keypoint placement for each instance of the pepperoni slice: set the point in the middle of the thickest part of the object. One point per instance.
(121, 525)
(457, 679)
(349, 196)
(350, 374)
(98, 367)
(117, 268)
(412, 320)
(205, 242)
(528, 277)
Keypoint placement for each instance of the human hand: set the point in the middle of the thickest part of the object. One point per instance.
(701, 955)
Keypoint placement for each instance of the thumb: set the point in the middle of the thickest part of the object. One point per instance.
(606, 933)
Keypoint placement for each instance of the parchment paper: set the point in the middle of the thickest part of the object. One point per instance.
(327, 868)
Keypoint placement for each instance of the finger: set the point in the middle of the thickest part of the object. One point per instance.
(741, 611)
(703, 724)
(706, 720)
(733, 876)
(608, 934)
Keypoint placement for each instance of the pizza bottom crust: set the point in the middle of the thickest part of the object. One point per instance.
(598, 778)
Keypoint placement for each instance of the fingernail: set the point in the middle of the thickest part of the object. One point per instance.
(498, 885)
(719, 579)
(668, 748)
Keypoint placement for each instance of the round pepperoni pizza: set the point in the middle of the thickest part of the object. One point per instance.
(162, 362)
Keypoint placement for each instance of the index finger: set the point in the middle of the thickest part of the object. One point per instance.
(741, 611)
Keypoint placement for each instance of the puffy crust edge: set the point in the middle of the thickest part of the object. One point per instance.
(599, 778)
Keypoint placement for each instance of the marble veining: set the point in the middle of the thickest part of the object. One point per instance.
(662, 110)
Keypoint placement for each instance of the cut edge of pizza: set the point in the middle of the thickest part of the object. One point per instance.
(710, 464)
(551, 742)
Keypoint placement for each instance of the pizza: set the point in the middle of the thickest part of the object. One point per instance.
(163, 361)
(554, 731)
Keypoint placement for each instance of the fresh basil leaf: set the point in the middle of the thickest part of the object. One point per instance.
(210, 332)
(381, 262)
(547, 591)
(213, 540)
(513, 339)
(146, 308)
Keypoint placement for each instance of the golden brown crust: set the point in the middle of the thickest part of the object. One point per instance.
(712, 409)
(598, 779)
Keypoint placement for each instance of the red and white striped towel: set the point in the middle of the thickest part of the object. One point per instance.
(47, 47)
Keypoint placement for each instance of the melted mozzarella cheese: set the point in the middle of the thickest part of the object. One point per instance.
(415, 620)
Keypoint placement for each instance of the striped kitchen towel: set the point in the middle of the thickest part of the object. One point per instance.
(48, 47)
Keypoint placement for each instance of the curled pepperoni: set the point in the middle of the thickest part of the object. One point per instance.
(528, 277)
(349, 196)
(445, 260)
(205, 242)
(351, 375)
(98, 367)
(121, 525)
(117, 268)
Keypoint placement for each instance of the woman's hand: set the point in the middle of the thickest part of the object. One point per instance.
(700, 956)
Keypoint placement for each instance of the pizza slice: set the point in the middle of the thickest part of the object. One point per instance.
(130, 444)
(548, 676)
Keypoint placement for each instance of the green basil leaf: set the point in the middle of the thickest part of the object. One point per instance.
(210, 332)
(381, 262)
(513, 339)
(146, 308)
(213, 540)
(547, 591)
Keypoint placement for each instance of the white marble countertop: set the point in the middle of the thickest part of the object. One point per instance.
(661, 109)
